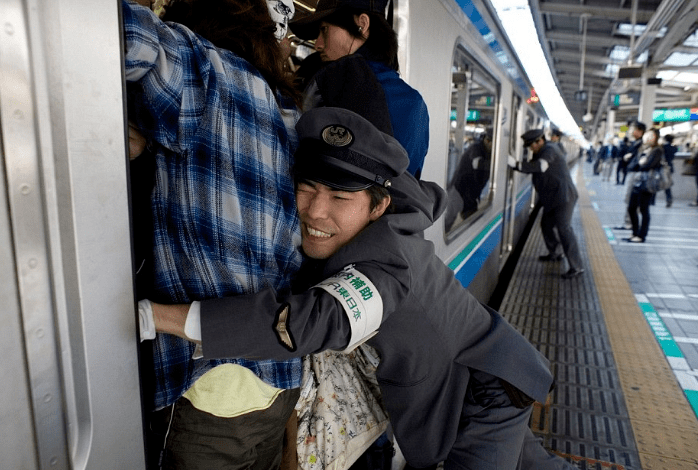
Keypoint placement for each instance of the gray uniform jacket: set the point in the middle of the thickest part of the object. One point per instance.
(431, 333)
(554, 186)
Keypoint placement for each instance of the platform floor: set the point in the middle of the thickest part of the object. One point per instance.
(622, 338)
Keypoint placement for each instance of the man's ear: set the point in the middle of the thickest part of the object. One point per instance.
(363, 22)
(380, 209)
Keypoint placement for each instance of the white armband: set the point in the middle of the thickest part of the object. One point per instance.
(544, 165)
(361, 301)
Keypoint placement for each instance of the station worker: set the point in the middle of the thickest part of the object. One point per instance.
(456, 379)
(557, 194)
(555, 138)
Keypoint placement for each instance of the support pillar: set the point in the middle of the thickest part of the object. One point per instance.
(648, 99)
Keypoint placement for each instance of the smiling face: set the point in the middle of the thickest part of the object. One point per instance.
(331, 218)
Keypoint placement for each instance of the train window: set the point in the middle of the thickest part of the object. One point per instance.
(474, 98)
(514, 134)
(530, 123)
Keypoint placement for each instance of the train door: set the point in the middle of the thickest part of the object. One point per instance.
(510, 197)
(70, 388)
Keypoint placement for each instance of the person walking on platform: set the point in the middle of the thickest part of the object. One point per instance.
(558, 196)
(640, 197)
(456, 379)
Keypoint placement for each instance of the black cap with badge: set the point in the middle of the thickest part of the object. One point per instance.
(531, 136)
(344, 151)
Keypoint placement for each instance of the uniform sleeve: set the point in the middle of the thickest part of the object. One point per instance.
(338, 313)
(536, 166)
(266, 325)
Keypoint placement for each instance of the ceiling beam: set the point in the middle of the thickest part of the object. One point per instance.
(677, 33)
(608, 13)
(592, 39)
(576, 57)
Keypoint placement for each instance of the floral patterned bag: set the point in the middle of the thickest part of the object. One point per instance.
(339, 412)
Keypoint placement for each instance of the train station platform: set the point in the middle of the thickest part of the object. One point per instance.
(622, 337)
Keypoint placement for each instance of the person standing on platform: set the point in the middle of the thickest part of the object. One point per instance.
(457, 380)
(695, 170)
(640, 197)
(558, 196)
(208, 90)
(637, 131)
(555, 138)
(621, 169)
(669, 152)
(343, 28)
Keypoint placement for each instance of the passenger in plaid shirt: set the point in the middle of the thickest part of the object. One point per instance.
(221, 125)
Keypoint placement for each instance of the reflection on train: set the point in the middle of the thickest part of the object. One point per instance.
(67, 273)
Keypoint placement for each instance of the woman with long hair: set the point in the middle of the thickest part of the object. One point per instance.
(640, 198)
(345, 28)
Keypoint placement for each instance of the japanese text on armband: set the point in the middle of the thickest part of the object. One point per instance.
(361, 302)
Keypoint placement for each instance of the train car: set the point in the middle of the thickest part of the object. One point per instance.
(71, 380)
(456, 54)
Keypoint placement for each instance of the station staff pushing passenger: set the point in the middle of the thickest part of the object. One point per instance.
(457, 380)
(557, 194)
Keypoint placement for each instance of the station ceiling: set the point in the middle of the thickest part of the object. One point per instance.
(588, 43)
(665, 46)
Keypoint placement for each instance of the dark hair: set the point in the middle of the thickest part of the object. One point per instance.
(243, 27)
(640, 126)
(377, 194)
(669, 138)
(382, 39)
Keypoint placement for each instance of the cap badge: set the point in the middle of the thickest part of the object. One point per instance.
(337, 136)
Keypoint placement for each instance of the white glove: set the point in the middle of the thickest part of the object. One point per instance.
(511, 161)
(145, 320)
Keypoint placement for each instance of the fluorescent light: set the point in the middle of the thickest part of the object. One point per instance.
(517, 20)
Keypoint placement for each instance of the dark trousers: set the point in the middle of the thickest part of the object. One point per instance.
(196, 440)
(560, 218)
(492, 430)
(640, 200)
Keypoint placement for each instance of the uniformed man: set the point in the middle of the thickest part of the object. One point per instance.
(555, 138)
(557, 194)
(456, 379)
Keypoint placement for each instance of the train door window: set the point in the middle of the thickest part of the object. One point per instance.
(514, 130)
(474, 98)
(530, 123)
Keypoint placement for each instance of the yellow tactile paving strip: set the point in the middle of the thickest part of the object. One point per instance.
(663, 422)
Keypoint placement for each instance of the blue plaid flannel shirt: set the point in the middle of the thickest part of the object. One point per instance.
(224, 213)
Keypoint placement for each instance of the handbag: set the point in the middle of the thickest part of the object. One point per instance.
(659, 179)
(656, 179)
